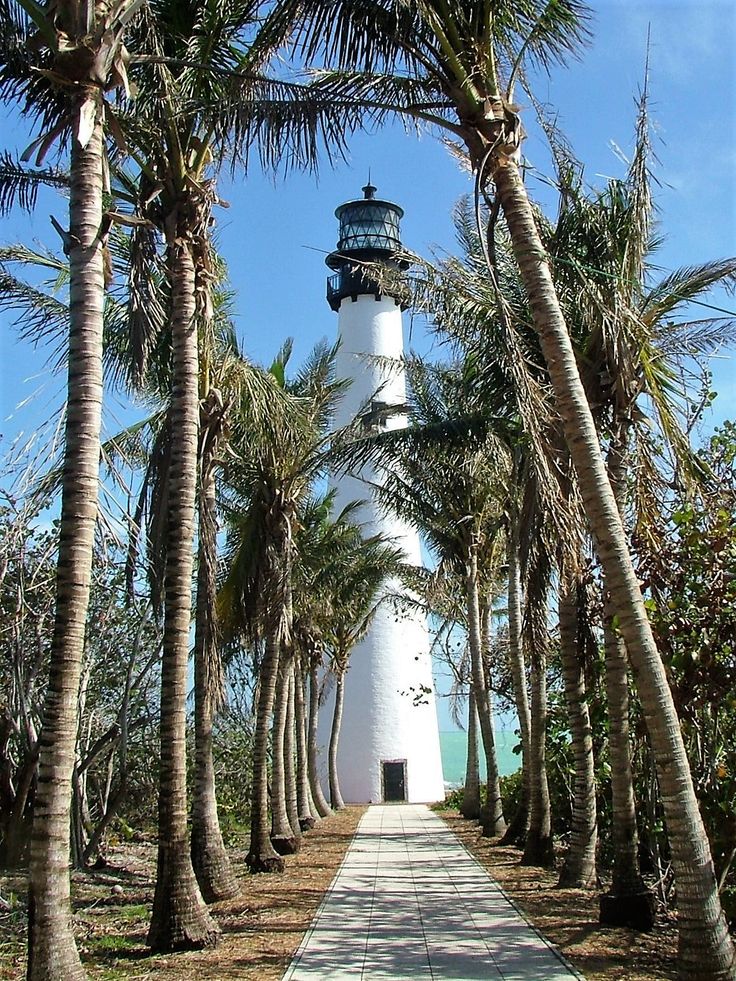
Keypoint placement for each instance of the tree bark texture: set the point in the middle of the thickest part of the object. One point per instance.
(517, 830)
(706, 951)
(579, 868)
(494, 823)
(262, 856)
(470, 806)
(308, 815)
(629, 902)
(492, 813)
(538, 848)
(283, 837)
(292, 800)
(180, 919)
(209, 857)
(320, 801)
(335, 796)
(52, 953)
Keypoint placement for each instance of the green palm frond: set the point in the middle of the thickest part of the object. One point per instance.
(695, 338)
(458, 51)
(686, 284)
(40, 317)
(291, 126)
(339, 574)
(47, 261)
(275, 459)
(19, 185)
(545, 32)
(381, 96)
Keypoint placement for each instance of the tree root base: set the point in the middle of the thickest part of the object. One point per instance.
(174, 935)
(539, 852)
(286, 845)
(635, 910)
(214, 891)
(212, 870)
(575, 880)
(470, 813)
(264, 863)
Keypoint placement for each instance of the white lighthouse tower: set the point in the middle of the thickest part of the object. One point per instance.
(389, 747)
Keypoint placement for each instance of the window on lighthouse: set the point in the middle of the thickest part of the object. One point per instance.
(374, 419)
(369, 226)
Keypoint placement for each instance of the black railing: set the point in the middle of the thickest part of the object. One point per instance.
(351, 281)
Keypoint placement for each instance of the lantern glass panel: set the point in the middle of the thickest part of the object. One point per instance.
(369, 225)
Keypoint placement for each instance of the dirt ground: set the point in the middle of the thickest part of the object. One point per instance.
(262, 928)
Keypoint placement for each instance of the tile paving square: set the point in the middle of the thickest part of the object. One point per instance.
(410, 902)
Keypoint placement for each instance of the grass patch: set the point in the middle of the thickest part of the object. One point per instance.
(111, 943)
(132, 913)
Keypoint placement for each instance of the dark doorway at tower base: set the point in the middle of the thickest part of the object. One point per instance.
(394, 781)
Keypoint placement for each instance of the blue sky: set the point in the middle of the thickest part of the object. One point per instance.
(276, 234)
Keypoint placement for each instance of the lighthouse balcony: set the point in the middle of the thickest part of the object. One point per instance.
(349, 283)
(353, 282)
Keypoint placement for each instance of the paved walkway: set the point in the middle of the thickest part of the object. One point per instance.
(410, 902)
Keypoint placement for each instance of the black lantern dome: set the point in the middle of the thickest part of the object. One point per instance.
(369, 232)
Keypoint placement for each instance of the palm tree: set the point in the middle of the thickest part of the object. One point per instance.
(308, 814)
(60, 61)
(201, 97)
(470, 806)
(579, 867)
(629, 328)
(518, 828)
(285, 829)
(226, 379)
(271, 476)
(210, 861)
(315, 784)
(320, 538)
(538, 846)
(502, 356)
(454, 65)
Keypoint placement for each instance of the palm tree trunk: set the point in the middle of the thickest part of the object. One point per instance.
(262, 857)
(492, 812)
(495, 823)
(292, 803)
(517, 830)
(320, 802)
(209, 857)
(470, 806)
(579, 868)
(706, 951)
(308, 815)
(335, 796)
(52, 953)
(626, 874)
(629, 902)
(283, 838)
(180, 917)
(538, 848)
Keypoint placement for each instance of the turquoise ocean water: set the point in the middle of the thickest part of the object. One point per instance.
(453, 747)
